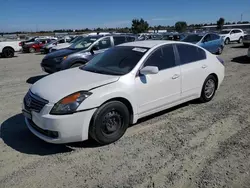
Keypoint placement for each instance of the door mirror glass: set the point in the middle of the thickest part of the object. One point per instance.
(149, 70)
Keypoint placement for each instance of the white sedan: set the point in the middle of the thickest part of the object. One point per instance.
(118, 87)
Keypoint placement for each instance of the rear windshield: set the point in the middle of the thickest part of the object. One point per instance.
(119, 60)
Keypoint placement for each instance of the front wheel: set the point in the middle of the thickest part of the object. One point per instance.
(76, 65)
(220, 49)
(109, 122)
(208, 89)
(240, 40)
(227, 41)
(32, 50)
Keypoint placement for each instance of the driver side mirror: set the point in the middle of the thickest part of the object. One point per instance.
(149, 70)
(94, 48)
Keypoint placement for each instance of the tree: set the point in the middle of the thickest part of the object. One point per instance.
(220, 23)
(180, 26)
(139, 26)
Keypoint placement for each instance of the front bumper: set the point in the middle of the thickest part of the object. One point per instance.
(50, 66)
(67, 128)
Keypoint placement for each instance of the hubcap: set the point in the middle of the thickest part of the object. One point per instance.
(209, 88)
(112, 122)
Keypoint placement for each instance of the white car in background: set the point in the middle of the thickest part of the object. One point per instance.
(8, 48)
(118, 87)
(232, 35)
(66, 44)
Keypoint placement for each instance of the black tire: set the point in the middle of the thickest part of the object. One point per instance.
(32, 50)
(227, 40)
(8, 52)
(240, 40)
(220, 50)
(76, 65)
(109, 123)
(204, 94)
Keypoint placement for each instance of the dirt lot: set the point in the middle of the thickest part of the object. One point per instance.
(192, 145)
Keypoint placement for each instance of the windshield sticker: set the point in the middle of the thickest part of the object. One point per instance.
(139, 50)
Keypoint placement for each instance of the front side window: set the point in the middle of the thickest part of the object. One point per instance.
(162, 58)
(189, 53)
(119, 40)
(119, 60)
(104, 43)
(207, 38)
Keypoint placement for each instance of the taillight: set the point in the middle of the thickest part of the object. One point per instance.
(20, 43)
(220, 60)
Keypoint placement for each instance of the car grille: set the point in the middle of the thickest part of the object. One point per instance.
(34, 102)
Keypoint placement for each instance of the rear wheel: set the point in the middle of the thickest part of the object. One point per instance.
(32, 50)
(227, 41)
(109, 122)
(220, 49)
(208, 89)
(8, 52)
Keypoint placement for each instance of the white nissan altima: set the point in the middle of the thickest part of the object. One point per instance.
(118, 87)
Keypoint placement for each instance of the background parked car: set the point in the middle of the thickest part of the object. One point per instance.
(210, 41)
(67, 44)
(35, 46)
(81, 52)
(48, 47)
(246, 40)
(231, 35)
(8, 48)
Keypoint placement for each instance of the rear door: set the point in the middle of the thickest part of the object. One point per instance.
(216, 42)
(207, 42)
(193, 66)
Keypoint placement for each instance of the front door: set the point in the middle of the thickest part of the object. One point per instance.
(154, 91)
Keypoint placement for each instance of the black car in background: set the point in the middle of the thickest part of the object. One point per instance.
(82, 51)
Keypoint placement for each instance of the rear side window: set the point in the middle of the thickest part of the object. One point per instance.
(119, 40)
(207, 38)
(130, 39)
(215, 37)
(189, 53)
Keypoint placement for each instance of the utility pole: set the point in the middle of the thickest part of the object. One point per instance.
(241, 17)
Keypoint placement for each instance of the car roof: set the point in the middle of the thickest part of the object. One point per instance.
(147, 43)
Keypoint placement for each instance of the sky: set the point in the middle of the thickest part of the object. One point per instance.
(37, 15)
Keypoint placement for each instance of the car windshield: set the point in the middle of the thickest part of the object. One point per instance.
(224, 31)
(119, 60)
(84, 43)
(76, 39)
(192, 38)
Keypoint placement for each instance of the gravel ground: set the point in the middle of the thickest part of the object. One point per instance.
(192, 145)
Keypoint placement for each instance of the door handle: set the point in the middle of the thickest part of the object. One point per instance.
(175, 76)
(204, 66)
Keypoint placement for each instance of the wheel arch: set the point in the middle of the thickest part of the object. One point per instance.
(127, 103)
(8, 47)
(216, 77)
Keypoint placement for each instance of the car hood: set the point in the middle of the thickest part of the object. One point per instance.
(60, 53)
(61, 84)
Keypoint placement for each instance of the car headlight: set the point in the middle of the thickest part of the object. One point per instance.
(69, 104)
(60, 59)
